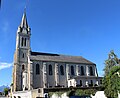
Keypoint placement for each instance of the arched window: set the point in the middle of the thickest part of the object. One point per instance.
(61, 70)
(72, 70)
(91, 70)
(82, 70)
(70, 83)
(80, 82)
(23, 55)
(22, 41)
(23, 67)
(37, 69)
(91, 82)
(50, 69)
(25, 42)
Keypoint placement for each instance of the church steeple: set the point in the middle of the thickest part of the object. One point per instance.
(24, 23)
(24, 27)
(23, 33)
(22, 53)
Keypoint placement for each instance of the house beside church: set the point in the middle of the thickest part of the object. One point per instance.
(34, 71)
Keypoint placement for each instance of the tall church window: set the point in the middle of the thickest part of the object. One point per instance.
(23, 67)
(50, 69)
(91, 82)
(70, 83)
(25, 42)
(23, 55)
(72, 70)
(80, 82)
(61, 70)
(22, 41)
(37, 69)
(91, 70)
(82, 70)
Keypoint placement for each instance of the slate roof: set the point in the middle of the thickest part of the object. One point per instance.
(39, 56)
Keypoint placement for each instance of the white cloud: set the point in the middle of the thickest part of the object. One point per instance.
(4, 65)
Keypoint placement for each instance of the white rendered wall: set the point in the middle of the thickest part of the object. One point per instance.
(99, 94)
(22, 94)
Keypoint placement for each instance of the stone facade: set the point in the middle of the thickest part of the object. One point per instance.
(33, 70)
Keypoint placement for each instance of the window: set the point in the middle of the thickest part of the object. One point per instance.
(23, 55)
(91, 70)
(82, 70)
(70, 83)
(25, 42)
(72, 70)
(23, 67)
(39, 90)
(91, 82)
(61, 70)
(50, 69)
(80, 82)
(37, 69)
(22, 41)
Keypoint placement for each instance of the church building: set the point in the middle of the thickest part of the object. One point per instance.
(33, 70)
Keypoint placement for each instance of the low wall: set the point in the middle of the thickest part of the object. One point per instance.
(28, 94)
(22, 94)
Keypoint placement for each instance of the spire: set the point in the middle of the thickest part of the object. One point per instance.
(24, 23)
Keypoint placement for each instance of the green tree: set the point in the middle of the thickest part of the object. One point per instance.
(111, 80)
(6, 91)
(110, 62)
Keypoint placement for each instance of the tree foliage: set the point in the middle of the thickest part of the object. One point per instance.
(110, 62)
(80, 92)
(111, 81)
(6, 91)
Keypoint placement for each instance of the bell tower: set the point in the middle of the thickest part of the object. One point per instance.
(21, 53)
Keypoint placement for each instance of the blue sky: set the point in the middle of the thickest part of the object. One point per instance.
(88, 28)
